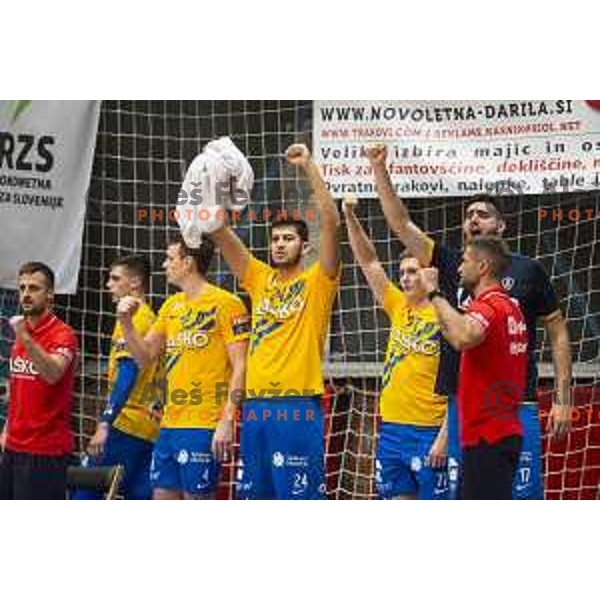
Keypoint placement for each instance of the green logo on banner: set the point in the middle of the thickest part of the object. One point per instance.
(20, 106)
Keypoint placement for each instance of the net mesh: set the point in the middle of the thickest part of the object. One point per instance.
(142, 151)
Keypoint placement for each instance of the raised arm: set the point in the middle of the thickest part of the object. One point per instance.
(396, 214)
(460, 330)
(364, 251)
(329, 217)
(50, 365)
(558, 333)
(232, 248)
(145, 349)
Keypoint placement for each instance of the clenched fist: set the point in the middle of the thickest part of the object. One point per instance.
(377, 155)
(126, 308)
(17, 323)
(298, 154)
(429, 279)
(349, 203)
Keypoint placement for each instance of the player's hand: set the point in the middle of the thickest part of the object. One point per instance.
(429, 279)
(438, 454)
(222, 443)
(349, 203)
(98, 442)
(2, 440)
(298, 154)
(18, 324)
(559, 420)
(377, 155)
(126, 308)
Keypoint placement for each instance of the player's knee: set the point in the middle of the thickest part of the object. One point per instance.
(164, 494)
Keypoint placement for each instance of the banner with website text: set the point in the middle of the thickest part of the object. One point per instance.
(454, 148)
(46, 153)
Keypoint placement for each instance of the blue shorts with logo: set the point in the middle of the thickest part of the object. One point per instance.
(528, 483)
(134, 454)
(402, 465)
(282, 450)
(183, 461)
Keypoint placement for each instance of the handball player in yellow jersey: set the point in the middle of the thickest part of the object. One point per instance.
(203, 333)
(126, 431)
(282, 437)
(412, 442)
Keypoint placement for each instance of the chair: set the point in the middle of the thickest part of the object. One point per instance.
(102, 480)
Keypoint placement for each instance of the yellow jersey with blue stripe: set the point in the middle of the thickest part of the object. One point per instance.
(411, 363)
(290, 321)
(135, 417)
(196, 363)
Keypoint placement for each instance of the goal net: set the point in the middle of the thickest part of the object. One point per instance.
(143, 149)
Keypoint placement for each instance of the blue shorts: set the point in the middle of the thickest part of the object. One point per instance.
(402, 465)
(183, 461)
(454, 450)
(528, 483)
(134, 454)
(282, 450)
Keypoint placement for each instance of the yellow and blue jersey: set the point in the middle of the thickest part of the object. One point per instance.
(290, 321)
(135, 417)
(411, 363)
(196, 363)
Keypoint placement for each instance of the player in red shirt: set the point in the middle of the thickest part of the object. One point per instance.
(37, 438)
(492, 337)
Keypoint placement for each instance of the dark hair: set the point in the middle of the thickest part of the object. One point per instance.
(493, 203)
(406, 253)
(496, 252)
(201, 256)
(39, 267)
(298, 224)
(136, 265)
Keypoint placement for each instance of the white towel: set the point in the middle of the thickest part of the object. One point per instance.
(217, 164)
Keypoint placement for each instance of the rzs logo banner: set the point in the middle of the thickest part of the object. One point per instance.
(46, 152)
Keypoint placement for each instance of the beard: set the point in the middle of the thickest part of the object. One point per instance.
(34, 311)
(467, 285)
(469, 235)
(287, 263)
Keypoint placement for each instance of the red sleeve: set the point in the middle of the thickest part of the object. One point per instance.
(481, 313)
(65, 344)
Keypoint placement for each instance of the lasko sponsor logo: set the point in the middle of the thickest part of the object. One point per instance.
(188, 339)
(197, 339)
(22, 366)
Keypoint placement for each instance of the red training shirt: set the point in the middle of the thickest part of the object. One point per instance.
(493, 374)
(39, 413)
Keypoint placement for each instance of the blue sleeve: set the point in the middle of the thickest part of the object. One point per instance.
(447, 260)
(547, 301)
(127, 372)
